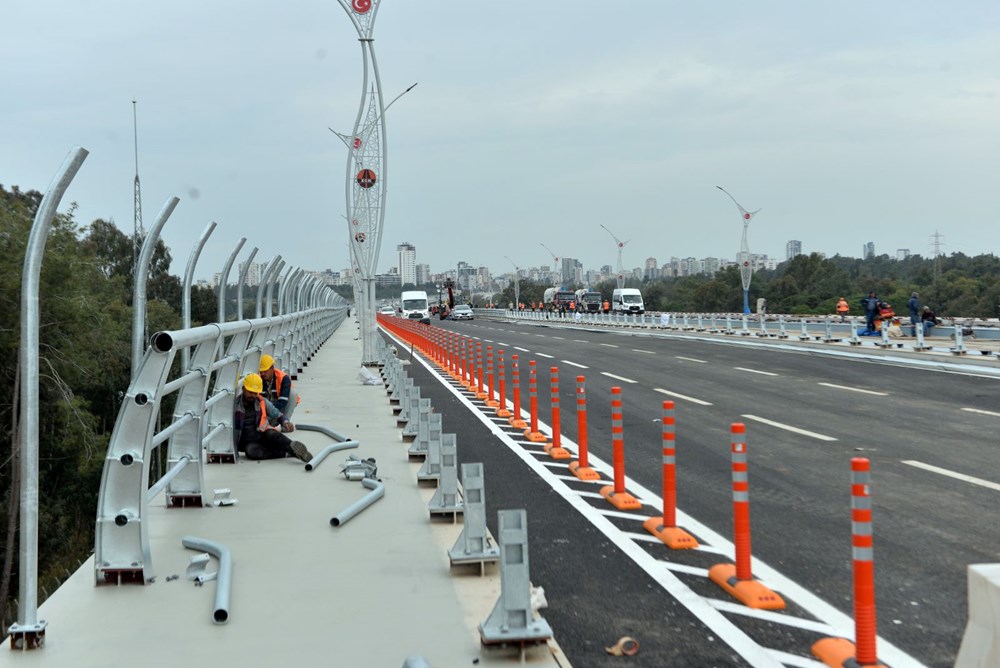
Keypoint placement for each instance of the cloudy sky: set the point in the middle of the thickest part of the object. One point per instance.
(533, 123)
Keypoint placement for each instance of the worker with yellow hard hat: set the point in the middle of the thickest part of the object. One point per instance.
(278, 387)
(253, 431)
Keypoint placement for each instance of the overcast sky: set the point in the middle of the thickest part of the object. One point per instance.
(533, 123)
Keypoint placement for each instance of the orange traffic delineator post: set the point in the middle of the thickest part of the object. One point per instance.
(491, 398)
(502, 410)
(581, 467)
(665, 528)
(454, 356)
(555, 449)
(841, 652)
(532, 433)
(480, 392)
(467, 363)
(737, 579)
(616, 493)
(515, 420)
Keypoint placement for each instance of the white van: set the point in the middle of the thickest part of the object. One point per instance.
(414, 306)
(627, 300)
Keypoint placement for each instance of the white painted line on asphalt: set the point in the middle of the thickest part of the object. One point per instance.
(559, 337)
(691, 359)
(622, 515)
(580, 341)
(953, 474)
(641, 537)
(487, 340)
(682, 568)
(763, 373)
(682, 396)
(579, 366)
(523, 350)
(640, 350)
(794, 660)
(609, 345)
(501, 343)
(857, 389)
(624, 380)
(544, 355)
(781, 618)
(787, 427)
(541, 335)
(573, 478)
(589, 495)
(555, 465)
(981, 412)
(710, 549)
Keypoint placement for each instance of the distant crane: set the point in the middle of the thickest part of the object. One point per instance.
(621, 247)
(746, 268)
(555, 263)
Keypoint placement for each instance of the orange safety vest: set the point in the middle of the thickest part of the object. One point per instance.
(607, 306)
(842, 306)
(279, 378)
(262, 424)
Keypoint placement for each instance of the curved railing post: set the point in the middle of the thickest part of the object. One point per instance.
(265, 281)
(242, 280)
(224, 279)
(29, 632)
(186, 287)
(141, 278)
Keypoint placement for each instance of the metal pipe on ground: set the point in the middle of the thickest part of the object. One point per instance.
(328, 450)
(223, 585)
(377, 492)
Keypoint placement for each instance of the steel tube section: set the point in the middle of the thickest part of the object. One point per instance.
(224, 279)
(377, 492)
(167, 477)
(323, 430)
(243, 279)
(178, 383)
(27, 601)
(139, 286)
(223, 583)
(271, 285)
(217, 397)
(328, 450)
(264, 280)
(186, 287)
(210, 435)
(223, 361)
(171, 430)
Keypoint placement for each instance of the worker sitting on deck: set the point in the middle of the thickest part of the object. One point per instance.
(252, 431)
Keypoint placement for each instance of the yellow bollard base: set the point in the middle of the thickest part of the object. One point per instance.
(839, 653)
(583, 472)
(535, 436)
(750, 593)
(673, 537)
(622, 501)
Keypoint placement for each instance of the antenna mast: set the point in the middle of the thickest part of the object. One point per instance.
(138, 233)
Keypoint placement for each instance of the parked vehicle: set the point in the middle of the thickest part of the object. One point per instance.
(387, 310)
(588, 301)
(415, 306)
(557, 299)
(627, 300)
(462, 312)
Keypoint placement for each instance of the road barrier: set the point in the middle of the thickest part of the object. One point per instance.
(480, 390)
(532, 433)
(616, 494)
(581, 468)
(491, 397)
(502, 410)
(665, 528)
(738, 580)
(555, 449)
(515, 420)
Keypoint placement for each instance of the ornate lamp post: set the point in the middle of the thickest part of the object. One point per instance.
(621, 247)
(746, 269)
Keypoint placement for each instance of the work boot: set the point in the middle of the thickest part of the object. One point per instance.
(300, 450)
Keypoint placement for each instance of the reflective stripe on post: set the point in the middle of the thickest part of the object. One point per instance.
(502, 410)
(516, 420)
(862, 548)
(532, 433)
(617, 439)
(665, 528)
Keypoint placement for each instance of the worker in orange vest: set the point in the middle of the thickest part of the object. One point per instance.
(843, 309)
(607, 306)
(278, 387)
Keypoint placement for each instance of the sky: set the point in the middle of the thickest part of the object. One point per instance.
(532, 123)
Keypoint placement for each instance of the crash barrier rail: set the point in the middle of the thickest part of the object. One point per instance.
(736, 578)
(220, 354)
(828, 329)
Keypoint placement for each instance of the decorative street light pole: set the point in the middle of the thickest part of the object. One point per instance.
(517, 287)
(746, 269)
(621, 247)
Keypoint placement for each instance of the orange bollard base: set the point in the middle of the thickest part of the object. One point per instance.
(492, 403)
(838, 653)
(673, 537)
(750, 593)
(480, 395)
(503, 412)
(622, 501)
(557, 453)
(518, 424)
(535, 436)
(583, 472)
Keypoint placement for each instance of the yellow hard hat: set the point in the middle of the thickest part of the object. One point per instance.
(253, 383)
(266, 362)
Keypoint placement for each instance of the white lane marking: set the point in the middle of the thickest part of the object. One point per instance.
(544, 355)
(580, 341)
(681, 396)
(794, 660)
(857, 389)
(579, 366)
(589, 495)
(763, 373)
(559, 337)
(640, 350)
(573, 478)
(624, 380)
(609, 345)
(953, 474)
(541, 335)
(487, 340)
(691, 359)
(501, 343)
(787, 427)
(690, 570)
(642, 537)
(981, 412)
(755, 655)
(523, 350)
(767, 615)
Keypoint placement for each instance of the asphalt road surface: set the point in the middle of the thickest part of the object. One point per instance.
(930, 437)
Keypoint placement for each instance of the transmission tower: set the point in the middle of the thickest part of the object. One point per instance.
(138, 233)
(938, 244)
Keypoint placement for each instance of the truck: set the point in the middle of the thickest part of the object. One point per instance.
(588, 301)
(557, 298)
(627, 300)
(415, 307)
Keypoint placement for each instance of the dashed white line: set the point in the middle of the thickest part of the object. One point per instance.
(622, 379)
(578, 366)
(767, 615)
(640, 350)
(609, 345)
(501, 343)
(953, 474)
(541, 335)
(787, 427)
(763, 373)
(691, 359)
(523, 350)
(589, 495)
(544, 355)
(683, 568)
(580, 341)
(857, 389)
(981, 412)
(682, 396)
(559, 337)
(639, 517)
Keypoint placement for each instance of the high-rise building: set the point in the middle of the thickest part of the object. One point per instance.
(868, 250)
(255, 272)
(406, 263)
(902, 254)
(793, 248)
(423, 272)
(571, 271)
